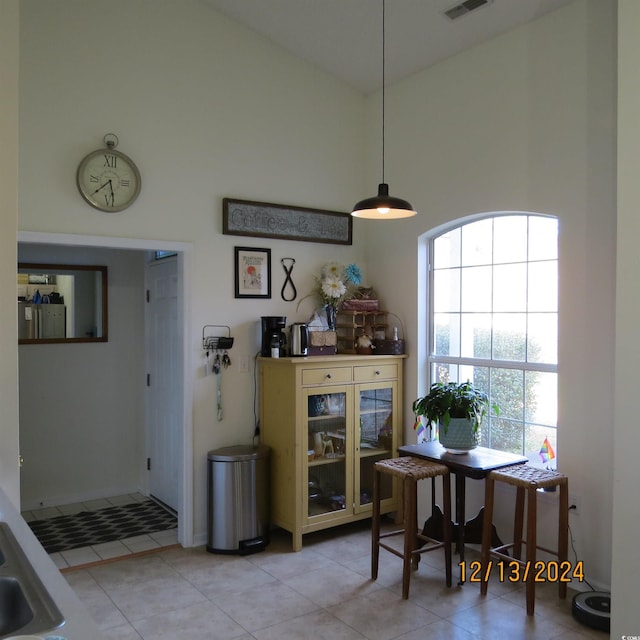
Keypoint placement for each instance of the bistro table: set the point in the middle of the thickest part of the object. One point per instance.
(474, 464)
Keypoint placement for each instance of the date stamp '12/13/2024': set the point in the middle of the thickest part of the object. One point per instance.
(517, 571)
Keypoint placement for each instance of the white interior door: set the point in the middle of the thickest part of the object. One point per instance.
(164, 381)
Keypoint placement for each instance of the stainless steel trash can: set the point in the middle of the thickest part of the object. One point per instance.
(238, 499)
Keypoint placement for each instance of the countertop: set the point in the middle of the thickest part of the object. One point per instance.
(333, 358)
(78, 624)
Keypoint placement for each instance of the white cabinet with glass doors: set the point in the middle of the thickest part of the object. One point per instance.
(327, 420)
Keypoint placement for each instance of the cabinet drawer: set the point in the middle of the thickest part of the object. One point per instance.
(328, 375)
(370, 373)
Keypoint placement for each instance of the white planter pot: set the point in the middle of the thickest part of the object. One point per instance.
(459, 436)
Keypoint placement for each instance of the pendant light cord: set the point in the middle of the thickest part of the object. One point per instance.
(383, 82)
(383, 206)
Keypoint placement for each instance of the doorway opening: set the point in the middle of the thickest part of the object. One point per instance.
(181, 385)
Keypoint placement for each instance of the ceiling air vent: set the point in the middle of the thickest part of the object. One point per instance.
(464, 8)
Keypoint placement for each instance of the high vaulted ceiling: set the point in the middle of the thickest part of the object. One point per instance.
(344, 37)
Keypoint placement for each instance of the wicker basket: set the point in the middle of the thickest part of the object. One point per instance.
(322, 343)
(323, 339)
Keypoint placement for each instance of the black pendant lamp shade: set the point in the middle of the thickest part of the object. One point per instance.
(383, 206)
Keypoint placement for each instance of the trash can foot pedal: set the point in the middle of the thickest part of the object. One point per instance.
(251, 546)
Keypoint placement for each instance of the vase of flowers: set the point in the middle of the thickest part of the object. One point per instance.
(336, 284)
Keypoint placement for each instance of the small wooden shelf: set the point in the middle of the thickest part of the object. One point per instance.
(368, 453)
(325, 460)
(327, 417)
(350, 325)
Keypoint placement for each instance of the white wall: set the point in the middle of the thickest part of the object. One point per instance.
(626, 505)
(9, 470)
(525, 122)
(208, 110)
(81, 405)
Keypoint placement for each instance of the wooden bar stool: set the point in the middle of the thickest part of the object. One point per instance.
(410, 470)
(527, 480)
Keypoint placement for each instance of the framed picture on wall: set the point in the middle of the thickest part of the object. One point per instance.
(252, 272)
(267, 220)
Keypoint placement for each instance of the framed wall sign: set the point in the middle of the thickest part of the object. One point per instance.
(264, 220)
(252, 272)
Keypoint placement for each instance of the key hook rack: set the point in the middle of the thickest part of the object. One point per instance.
(212, 341)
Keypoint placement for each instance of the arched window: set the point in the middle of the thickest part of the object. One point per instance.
(493, 321)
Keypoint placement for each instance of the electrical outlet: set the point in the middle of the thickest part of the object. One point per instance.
(575, 503)
(243, 364)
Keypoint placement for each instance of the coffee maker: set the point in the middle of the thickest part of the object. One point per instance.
(273, 334)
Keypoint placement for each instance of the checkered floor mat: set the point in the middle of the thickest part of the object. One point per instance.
(105, 525)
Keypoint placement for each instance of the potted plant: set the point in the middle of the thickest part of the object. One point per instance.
(459, 409)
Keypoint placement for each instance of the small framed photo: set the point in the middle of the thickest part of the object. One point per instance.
(253, 272)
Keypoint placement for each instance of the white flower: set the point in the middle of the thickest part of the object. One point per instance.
(333, 287)
(336, 284)
(332, 270)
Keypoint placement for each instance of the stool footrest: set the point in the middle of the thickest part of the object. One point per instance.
(504, 556)
(391, 549)
(506, 547)
(502, 548)
(388, 534)
(433, 543)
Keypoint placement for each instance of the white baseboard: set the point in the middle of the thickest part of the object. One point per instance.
(73, 498)
(200, 539)
(583, 586)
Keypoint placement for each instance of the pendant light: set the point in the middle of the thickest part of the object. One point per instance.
(383, 206)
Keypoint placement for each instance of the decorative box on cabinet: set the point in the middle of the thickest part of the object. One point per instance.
(327, 420)
(351, 324)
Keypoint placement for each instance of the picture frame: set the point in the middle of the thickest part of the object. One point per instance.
(252, 272)
(285, 222)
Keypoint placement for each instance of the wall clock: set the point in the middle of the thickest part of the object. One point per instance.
(108, 179)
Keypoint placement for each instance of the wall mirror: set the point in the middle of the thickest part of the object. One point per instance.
(61, 303)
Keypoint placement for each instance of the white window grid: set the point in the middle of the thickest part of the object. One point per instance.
(463, 366)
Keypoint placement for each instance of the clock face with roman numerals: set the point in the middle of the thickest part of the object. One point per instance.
(108, 180)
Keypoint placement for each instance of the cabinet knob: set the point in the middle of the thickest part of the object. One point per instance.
(329, 376)
(377, 373)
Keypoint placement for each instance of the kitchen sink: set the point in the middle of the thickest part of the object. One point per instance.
(15, 612)
(26, 607)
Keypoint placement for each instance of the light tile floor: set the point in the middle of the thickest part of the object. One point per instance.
(108, 550)
(323, 591)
